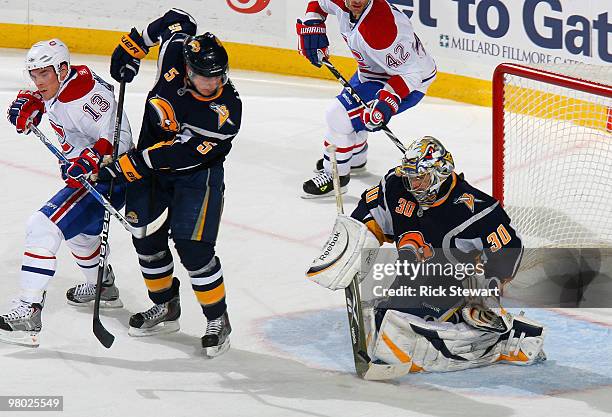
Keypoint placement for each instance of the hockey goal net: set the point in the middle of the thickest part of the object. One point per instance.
(552, 153)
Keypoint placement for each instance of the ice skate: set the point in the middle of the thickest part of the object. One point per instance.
(159, 319)
(216, 340)
(84, 294)
(22, 325)
(322, 185)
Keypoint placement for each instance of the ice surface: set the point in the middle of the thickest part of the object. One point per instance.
(290, 354)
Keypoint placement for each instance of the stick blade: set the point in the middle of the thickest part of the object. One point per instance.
(103, 335)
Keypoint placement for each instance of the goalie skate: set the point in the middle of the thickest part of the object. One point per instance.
(84, 294)
(159, 319)
(216, 340)
(22, 325)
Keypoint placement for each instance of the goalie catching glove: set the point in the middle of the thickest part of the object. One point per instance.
(341, 256)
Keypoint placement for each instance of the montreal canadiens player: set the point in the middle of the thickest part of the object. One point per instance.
(430, 213)
(192, 114)
(81, 110)
(393, 74)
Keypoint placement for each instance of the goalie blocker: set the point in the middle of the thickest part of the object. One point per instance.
(341, 259)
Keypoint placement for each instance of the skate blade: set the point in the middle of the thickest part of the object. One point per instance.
(103, 303)
(305, 196)
(20, 338)
(161, 328)
(214, 351)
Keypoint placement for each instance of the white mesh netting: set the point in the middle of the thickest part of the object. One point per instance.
(558, 160)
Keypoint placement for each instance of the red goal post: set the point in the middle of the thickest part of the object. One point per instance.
(552, 152)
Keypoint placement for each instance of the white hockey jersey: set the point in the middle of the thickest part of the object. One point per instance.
(83, 111)
(384, 44)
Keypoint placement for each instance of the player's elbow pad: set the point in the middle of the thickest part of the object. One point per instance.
(350, 247)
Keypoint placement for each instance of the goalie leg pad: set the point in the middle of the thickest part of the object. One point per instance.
(443, 347)
(341, 256)
(524, 344)
(432, 346)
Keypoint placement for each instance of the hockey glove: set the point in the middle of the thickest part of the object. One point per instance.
(86, 164)
(312, 42)
(70, 182)
(385, 106)
(27, 108)
(130, 167)
(126, 57)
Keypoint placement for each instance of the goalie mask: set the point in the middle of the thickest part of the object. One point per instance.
(425, 166)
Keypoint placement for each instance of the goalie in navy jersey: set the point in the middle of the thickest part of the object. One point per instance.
(431, 214)
(192, 114)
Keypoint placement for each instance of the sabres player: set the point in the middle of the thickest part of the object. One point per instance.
(430, 213)
(81, 110)
(393, 74)
(191, 115)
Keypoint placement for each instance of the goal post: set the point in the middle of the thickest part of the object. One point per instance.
(552, 152)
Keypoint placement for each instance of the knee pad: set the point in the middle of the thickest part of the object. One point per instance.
(84, 245)
(337, 119)
(194, 254)
(42, 234)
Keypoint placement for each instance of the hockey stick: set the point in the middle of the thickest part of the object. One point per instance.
(349, 89)
(103, 335)
(364, 366)
(136, 232)
(353, 298)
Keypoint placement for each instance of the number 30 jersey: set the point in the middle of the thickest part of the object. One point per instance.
(83, 112)
(463, 225)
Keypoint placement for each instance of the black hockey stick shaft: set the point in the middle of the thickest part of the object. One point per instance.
(103, 335)
(352, 295)
(360, 101)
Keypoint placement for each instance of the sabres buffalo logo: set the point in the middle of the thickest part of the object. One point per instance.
(195, 46)
(414, 242)
(165, 112)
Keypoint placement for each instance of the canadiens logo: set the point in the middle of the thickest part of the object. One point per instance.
(223, 112)
(61, 136)
(195, 46)
(468, 200)
(165, 111)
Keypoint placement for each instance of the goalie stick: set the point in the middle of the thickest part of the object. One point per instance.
(349, 89)
(364, 366)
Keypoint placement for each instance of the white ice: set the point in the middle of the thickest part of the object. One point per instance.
(290, 354)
